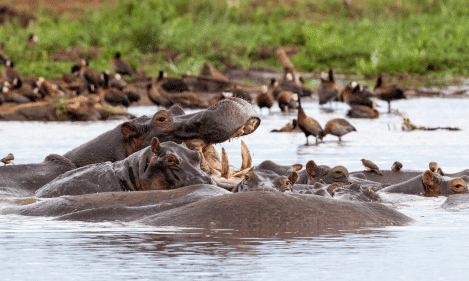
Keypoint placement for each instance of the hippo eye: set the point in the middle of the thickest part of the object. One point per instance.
(162, 119)
(171, 160)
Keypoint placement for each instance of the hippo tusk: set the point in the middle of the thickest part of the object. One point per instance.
(225, 165)
(246, 156)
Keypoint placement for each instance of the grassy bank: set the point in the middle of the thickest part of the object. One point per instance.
(427, 37)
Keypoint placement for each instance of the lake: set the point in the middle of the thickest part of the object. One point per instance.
(434, 248)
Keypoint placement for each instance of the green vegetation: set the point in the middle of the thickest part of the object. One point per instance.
(60, 108)
(429, 37)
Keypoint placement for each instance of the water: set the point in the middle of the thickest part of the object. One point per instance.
(434, 248)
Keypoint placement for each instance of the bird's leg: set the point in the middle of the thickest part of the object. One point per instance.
(389, 107)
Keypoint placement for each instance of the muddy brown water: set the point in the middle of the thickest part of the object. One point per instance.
(37, 248)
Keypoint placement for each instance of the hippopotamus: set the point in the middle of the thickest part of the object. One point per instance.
(161, 166)
(231, 117)
(210, 206)
(24, 180)
(430, 184)
(258, 179)
(314, 173)
(279, 169)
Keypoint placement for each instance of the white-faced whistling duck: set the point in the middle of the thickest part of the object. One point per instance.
(264, 98)
(328, 89)
(308, 125)
(387, 92)
(120, 66)
(338, 127)
(12, 75)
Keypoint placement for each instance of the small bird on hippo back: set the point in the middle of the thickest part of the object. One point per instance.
(8, 159)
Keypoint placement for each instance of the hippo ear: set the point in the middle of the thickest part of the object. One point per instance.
(129, 130)
(297, 167)
(155, 145)
(293, 177)
(311, 167)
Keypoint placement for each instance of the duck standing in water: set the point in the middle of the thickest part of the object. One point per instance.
(265, 98)
(328, 89)
(338, 127)
(387, 92)
(308, 125)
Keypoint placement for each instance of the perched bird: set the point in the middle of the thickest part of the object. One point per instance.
(12, 75)
(308, 125)
(435, 169)
(328, 89)
(338, 127)
(387, 92)
(8, 159)
(89, 76)
(171, 84)
(120, 66)
(361, 111)
(370, 166)
(287, 100)
(264, 98)
(397, 166)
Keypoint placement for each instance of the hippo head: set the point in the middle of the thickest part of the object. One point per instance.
(171, 166)
(256, 180)
(229, 118)
(338, 174)
(355, 192)
(435, 184)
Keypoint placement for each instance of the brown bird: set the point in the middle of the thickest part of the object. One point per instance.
(264, 98)
(89, 76)
(370, 166)
(47, 89)
(328, 89)
(12, 75)
(171, 84)
(387, 92)
(308, 125)
(435, 169)
(155, 95)
(397, 166)
(120, 66)
(287, 100)
(338, 127)
(356, 94)
(361, 111)
(8, 159)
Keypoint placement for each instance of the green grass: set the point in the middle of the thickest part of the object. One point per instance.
(429, 37)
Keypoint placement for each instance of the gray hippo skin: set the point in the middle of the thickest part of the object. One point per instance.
(231, 117)
(160, 166)
(314, 173)
(258, 179)
(389, 177)
(279, 169)
(211, 206)
(430, 184)
(24, 180)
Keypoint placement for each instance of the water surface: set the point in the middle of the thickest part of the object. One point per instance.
(434, 248)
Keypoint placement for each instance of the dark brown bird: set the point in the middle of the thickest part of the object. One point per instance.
(338, 127)
(121, 66)
(308, 125)
(356, 94)
(8, 159)
(287, 100)
(328, 89)
(264, 98)
(89, 76)
(397, 166)
(370, 166)
(387, 92)
(12, 75)
(171, 84)
(361, 111)
(157, 97)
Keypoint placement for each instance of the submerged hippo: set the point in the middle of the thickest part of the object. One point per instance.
(257, 179)
(211, 206)
(314, 173)
(430, 184)
(231, 117)
(161, 166)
